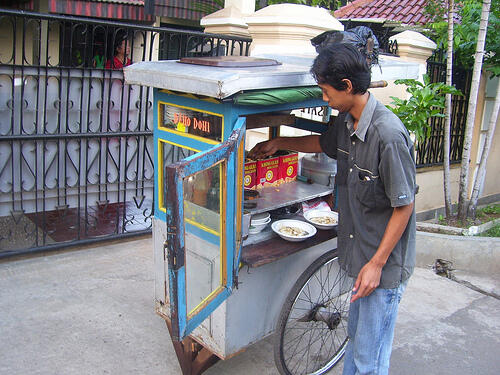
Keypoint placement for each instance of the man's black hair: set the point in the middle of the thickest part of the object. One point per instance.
(340, 61)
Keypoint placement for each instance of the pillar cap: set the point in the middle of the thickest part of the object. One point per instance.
(286, 29)
(295, 14)
(415, 39)
(225, 16)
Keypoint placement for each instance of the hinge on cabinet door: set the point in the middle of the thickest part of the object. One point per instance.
(171, 255)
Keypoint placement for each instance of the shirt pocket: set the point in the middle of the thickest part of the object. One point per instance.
(370, 191)
(365, 192)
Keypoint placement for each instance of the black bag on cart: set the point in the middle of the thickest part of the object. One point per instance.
(362, 37)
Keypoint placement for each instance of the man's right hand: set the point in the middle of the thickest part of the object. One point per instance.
(264, 149)
(306, 143)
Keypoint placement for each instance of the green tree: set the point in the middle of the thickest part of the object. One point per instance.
(466, 30)
(476, 42)
(447, 123)
(463, 202)
(427, 100)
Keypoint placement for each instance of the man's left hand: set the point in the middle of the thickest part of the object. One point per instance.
(368, 279)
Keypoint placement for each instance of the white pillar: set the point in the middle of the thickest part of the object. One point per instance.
(287, 29)
(229, 20)
(413, 46)
(245, 6)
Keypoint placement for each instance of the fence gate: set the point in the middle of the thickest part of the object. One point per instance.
(76, 143)
(430, 151)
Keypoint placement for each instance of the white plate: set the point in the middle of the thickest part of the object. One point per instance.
(319, 213)
(278, 225)
(257, 228)
(260, 218)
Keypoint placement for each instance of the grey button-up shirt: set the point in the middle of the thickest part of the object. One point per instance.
(375, 173)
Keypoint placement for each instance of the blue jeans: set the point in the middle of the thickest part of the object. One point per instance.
(371, 330)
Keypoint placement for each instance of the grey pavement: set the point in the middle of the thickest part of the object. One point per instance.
(91, 311)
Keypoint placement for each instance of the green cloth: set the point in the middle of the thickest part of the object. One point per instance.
(278, 96)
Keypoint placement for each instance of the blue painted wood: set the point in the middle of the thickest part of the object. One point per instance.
(238, 185)
(159, 214)
(196, 320)
(180, 140)
(227, 150)
(181, 272)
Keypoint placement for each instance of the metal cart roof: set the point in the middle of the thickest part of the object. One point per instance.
(222, 82)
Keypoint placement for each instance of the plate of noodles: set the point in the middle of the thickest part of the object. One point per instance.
(322, 219)
(293, 230)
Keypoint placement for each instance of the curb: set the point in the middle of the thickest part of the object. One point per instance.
(475, 254)
(444, 229)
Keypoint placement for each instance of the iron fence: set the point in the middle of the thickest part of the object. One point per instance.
(76, 145)
(430, 151)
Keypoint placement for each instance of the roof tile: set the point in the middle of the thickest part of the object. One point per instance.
(408, 11)
(408, 18)
(418, 18)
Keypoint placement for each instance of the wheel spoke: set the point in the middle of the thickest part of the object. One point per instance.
(313, 346)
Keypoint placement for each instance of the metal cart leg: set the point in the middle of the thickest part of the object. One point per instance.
(193, 357)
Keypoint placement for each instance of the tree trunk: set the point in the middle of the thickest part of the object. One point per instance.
(481, 172)
(471, 112)
(447, 125)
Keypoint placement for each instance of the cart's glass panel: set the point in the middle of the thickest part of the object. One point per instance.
(190, 121)
(204, 240)
(169, 154)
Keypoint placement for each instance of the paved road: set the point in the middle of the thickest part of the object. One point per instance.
(91, 311)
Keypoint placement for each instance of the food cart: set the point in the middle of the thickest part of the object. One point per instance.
(219, 290)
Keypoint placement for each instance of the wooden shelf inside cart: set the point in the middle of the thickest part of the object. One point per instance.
(275, 248)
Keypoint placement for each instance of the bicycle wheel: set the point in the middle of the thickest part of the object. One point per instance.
(311, 334)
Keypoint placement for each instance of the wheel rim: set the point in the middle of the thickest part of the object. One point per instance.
(315, 334)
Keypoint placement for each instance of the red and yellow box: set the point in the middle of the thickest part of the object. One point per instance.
(250, 176)
(268, 172)
(288, 165)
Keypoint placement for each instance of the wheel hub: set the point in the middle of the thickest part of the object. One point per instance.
(319, 313)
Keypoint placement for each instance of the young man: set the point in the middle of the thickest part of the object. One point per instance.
(376, 189)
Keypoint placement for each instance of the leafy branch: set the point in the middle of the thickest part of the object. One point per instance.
(466, 30)
(427, 100)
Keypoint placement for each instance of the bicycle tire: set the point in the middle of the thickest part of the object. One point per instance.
(331, 307)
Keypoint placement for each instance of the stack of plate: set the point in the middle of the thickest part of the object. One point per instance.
(259, 222)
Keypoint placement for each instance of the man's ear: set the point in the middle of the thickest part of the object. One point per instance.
(348, 85)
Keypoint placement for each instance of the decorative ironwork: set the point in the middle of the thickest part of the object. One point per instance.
(76, 144)
(430, 151)
(392, 47)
